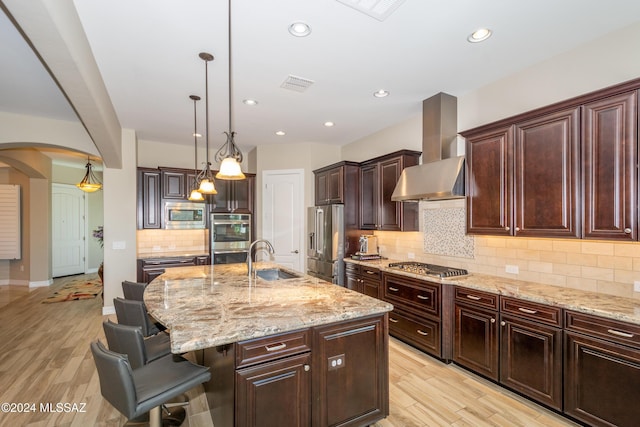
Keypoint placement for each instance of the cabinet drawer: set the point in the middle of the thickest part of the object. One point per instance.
(479, 298)
(609, 329)
(415, 295)
(531, 310)
(272, 347)
(352, 268)
(370, 273)
(422, 333)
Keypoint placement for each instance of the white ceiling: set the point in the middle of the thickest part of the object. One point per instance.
(147, 54)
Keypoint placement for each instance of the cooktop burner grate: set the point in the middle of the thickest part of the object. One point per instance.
(428, 269)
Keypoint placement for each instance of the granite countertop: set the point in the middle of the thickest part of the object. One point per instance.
(210, 305)
(613, 307)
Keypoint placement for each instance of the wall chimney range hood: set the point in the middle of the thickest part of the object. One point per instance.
(441, 174)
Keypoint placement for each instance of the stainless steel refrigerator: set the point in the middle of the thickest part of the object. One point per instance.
(325, 243)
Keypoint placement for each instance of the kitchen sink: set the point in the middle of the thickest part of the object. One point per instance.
(276, 274)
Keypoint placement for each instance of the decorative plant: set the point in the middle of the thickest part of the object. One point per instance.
(98, 233)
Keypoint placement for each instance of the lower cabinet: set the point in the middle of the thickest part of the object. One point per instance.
(329, 375)
(602, 370)
(363, 279)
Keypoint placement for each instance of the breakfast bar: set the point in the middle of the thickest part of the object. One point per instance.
(284, 348)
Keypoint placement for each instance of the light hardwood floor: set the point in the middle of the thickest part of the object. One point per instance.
(45, 357)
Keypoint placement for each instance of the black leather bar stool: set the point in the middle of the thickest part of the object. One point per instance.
(133, 290)
(134, 392)
(134, 313)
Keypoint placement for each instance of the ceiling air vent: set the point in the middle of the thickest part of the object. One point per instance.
(299, 84)
(378, 9)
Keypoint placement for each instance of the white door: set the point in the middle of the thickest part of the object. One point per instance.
(283, 215)
(68, 229)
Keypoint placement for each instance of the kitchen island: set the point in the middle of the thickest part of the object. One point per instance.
(295, 351)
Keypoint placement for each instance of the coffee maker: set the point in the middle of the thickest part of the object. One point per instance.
(368, 245)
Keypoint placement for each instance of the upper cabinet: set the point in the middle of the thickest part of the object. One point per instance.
(609, 174)
(334, 182)
(149, 204)
(235, 196)
(378, 179)
(567, 170)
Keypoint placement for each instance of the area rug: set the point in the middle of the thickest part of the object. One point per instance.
(76, 290)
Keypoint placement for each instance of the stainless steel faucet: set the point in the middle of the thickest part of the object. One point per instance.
(249, 260)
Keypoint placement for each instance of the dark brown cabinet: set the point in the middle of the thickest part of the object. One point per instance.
(174, 184)
(150, 268)
(350, 384)
(235, 196)
(602, 370)
(609, 175)
(336, 183)
(416, 316)
(363, 279)
(546, 175)
(476, 331)
(531, 350)
(273, 381)
(149, 198)
(378, 179)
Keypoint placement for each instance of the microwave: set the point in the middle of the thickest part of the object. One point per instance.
(184, 215)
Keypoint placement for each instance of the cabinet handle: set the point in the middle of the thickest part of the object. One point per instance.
(526, 310)
(627, 231)
(473, 297)
(391, 288)
(493, 320)
(307, 368)
(371, 272)
(620, 333)
(507, 228)
(392, 320)
(276, 347)
(423, 333)
(503, 323)
(517, 228)
(422, 297)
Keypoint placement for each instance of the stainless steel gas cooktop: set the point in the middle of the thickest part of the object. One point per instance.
(428, 269)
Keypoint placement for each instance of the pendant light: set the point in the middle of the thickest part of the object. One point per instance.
(205, 177)
(90, 182)
(195, 195)
(229, 155)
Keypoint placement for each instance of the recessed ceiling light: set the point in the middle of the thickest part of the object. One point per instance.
(381, 93)
(479, 35)
(299, 29)
(280, 133)
(329, 124)
(250, 101)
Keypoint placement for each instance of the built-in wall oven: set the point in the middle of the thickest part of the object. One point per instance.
(230, 237)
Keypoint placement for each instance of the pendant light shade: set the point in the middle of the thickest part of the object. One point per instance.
(205, 177)
(229, 155)
(195, 195)
(90, 183)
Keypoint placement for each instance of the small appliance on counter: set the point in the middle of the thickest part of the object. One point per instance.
(368, 248)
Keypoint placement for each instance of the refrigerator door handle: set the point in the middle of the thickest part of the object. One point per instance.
(312, 244)
(320, 231)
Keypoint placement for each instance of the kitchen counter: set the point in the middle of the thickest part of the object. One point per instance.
(170, 254)
(619, 308)
(211, 305)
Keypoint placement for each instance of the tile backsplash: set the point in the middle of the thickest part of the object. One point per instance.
(600, 266)
(150, 242)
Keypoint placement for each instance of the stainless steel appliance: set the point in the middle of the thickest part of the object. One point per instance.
(368, 245)
(184, 215)
(428, 269)
(326, 241)
(230, 236)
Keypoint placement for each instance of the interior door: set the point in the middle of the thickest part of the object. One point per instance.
(68, 230)
(283, 216)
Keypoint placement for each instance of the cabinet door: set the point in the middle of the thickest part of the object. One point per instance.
(221, 199)
(173, 185)
(475, 342)
(609, 177)
(322, 188)
(390, 212)
(335, 184)
(546, 176)
(369, 197)
(149, 207)
(490, 182)
(243, 195)
(351, 377)
(531, 360)
(275, 394)
(602, 380)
